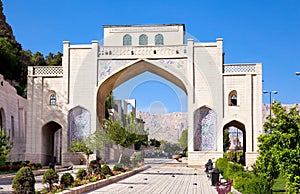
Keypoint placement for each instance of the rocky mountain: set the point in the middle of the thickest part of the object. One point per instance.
(165, 126)
(5, 28)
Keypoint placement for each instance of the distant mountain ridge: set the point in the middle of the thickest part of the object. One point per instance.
(165, 126)
(170, 126)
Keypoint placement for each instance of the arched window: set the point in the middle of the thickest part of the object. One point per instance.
(232, 100)
(159, 39)
(52, 99)
(143, 39)
(127, 40)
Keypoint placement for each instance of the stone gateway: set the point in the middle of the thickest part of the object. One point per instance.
(68, 101)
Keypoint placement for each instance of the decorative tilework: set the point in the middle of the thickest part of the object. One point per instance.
(79, 124)
(205, 133)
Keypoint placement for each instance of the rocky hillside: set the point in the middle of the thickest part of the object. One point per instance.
(5, 28)
(165, 126)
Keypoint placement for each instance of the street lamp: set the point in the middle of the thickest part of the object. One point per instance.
(297, 73)
(270, 93)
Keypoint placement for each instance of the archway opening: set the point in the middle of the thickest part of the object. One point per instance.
(235, 133)
(136, 71)
(128, 73)
(51, 143)
(2, 118)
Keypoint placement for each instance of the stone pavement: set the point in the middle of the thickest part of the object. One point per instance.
(162, 179)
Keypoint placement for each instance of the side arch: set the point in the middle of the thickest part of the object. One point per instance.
(2, 118)
(51, 142)
(239, 126)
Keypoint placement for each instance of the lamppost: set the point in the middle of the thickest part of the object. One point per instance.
(297, 73)
(270, 93)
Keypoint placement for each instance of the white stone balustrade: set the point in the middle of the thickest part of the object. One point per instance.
(239, 68)
(42, 71)
(142, 51)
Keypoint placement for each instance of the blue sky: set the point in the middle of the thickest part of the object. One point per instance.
(265, 31)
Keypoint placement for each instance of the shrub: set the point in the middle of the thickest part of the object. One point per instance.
(231, 169)
(257, 185)
(67, 179)
(50, 177)
(118, 167)
(94, 167)
(125, 160)
(81, 173)
(222, 164)
(105, 170)
(24, 181)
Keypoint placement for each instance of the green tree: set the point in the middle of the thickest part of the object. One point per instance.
(54, 60)
(50, 177)
(8, 58)
(24, 181)
(226, 140)
(98, 139)
(5, 146)
(281, 144)
(125, 133)
(109, 104)
(38, 59)
(184, 139)
(266, 165)
(79, 146)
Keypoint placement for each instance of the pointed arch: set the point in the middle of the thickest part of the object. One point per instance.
(232, 98)
(128, 72)
(51, 142)
(238, 126)
(2, 118)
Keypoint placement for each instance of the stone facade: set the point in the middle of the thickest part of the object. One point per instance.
(70, 100)
(13, 118)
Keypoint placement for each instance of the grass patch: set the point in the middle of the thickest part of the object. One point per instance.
(279, 185)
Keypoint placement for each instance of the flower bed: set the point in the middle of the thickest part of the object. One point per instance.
(93, 185)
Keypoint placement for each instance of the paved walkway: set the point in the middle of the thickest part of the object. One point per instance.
(162, 179)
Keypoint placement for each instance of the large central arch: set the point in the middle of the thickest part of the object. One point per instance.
(128, 72)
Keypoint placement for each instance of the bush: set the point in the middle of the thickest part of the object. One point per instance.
(81, 173)
(105, 170)
(50, 177)
(118, 167)
(232, 168)
(67, 179)
(222, 164)
(257, 185)
(125, 160)
(24, 181)
(94, 167)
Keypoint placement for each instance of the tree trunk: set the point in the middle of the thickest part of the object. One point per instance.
(121, 154)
